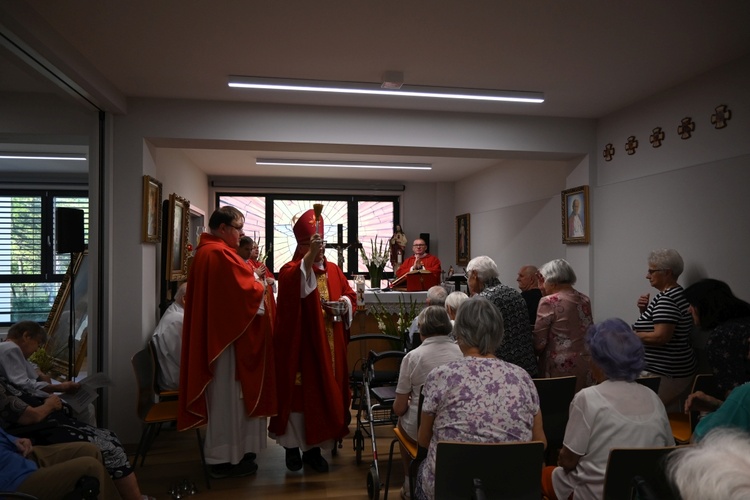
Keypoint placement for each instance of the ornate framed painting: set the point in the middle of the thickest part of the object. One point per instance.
(151, 222)
(575, 215)
(73, 290)
(463, 239)
(177, 238)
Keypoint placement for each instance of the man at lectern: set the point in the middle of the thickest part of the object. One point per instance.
(420, 260)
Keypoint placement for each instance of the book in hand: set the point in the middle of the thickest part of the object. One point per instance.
(86, 394)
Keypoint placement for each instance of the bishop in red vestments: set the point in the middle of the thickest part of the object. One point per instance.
(310, 348)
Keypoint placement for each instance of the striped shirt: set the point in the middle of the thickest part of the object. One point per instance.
(676, 357)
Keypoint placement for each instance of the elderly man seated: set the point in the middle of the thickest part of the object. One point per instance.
(168, 342)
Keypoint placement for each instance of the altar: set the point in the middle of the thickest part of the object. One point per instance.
(391, 301)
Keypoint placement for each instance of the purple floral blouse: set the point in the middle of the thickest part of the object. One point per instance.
(562, 320)
(482, 400)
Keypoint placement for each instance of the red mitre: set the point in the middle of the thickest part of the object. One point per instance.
(304, 228)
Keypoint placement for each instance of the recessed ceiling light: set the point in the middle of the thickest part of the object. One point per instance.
(342, 164)
(251, 82)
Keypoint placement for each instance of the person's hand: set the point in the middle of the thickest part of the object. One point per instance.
(643, 302)
(316, 243)
(700, 401)
(261, 270)
(69, 387)
(23, 446)
(53, 402)
(418, 263)
(270, 281)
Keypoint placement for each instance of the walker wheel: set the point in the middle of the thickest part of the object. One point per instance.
(373, 484)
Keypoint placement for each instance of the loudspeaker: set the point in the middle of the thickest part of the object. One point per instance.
(69, 230)
(426, 238)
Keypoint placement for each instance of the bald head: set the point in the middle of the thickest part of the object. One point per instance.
(527, 278)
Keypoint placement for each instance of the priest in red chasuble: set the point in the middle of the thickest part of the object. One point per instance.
(227, 376)
(310, 348)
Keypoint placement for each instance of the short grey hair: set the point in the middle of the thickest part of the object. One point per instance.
(713, 469)
(479, 324)
(434, 320)
(454, 300)
(436, 295)
(558, 272)
(484, 266)
(667, 258)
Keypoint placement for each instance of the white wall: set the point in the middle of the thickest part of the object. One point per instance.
(690, 195)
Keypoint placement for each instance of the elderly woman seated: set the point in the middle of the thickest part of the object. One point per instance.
(453, 301)
(618, 412)
(436, 349)
(479, 398)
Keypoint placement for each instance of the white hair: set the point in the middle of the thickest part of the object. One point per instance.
(717, 468)
(484, 266)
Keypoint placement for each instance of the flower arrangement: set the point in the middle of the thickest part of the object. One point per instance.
(395, 325)
(375, 263)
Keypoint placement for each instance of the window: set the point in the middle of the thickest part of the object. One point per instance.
(355, 217)
(30, 268)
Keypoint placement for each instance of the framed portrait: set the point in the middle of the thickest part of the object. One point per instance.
(575, 215)
(73, 290)
(178, 215)
(151, 223)
(463, 239)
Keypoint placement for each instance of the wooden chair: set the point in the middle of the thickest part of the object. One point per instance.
(683, 424)
(162, 394)
(651, 382)
(154, 414)
(645, 464)
(555, 395)
(413, 450)
(506, 470)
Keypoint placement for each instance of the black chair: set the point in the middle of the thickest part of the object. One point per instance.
(637, 468)
(651, 382)
(555, 395)
(506, 470)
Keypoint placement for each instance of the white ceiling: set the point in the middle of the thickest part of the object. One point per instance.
(589, 57)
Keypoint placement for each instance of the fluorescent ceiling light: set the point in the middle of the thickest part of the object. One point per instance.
(342, 164)
(41, 156)
(251, 82)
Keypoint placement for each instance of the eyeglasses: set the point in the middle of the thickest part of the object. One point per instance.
(652, 271)
(415, 246)
(238, 228)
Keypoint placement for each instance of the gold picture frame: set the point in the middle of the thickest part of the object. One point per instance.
(151, 221)
(575, 215)
(177, 238)
(76, 279)
(463, 239)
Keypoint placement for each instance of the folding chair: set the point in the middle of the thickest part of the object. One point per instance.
(644, 465)
(153, 414)
(555, 395)
(683, 424)
(506, 470)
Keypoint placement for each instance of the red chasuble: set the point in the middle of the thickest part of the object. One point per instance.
(430, 262)
(221, 303)
(302, 346)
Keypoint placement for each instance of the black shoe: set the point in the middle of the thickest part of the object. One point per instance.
(220, 471)
(249, 457)
(314, 459)
(293, 460)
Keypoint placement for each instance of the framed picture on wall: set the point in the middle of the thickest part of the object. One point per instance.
(177, 238)
(575, 215)
(463, 239)
(151, 223)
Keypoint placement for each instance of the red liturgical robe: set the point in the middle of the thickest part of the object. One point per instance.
(302, 346)
(221, 306)
(430, 262)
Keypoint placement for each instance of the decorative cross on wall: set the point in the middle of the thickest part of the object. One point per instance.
(721, 117)
(631, 145)
(686, 128)
(609, 152)
(657, 136)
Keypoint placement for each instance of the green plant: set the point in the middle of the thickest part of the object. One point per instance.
(42, 360)
(395, 324)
